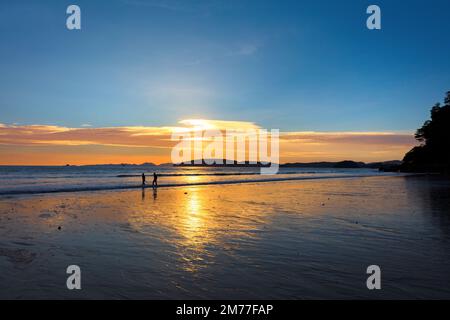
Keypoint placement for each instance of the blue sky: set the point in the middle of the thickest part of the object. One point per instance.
(292, 65)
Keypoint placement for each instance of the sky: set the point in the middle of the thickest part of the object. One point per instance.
(308, 68)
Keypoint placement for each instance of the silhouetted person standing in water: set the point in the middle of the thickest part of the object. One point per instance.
(155, 180)
(143, 179)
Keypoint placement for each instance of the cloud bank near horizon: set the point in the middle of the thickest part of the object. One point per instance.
(52, 145)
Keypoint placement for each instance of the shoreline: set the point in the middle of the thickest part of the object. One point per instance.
(203, 183)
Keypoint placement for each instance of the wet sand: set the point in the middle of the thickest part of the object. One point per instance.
(278, 240)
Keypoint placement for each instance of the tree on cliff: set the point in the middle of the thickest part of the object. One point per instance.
(433, 155)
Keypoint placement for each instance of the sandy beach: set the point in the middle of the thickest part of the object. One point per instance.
(280, 240)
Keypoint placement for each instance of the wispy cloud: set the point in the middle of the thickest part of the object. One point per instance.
(172, 5)
(114, 136)
(202, 7)
(244, 50)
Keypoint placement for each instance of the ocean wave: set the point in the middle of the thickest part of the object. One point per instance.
(209, 174)
(60, 189)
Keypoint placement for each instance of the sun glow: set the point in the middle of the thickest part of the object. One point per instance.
(198, 124)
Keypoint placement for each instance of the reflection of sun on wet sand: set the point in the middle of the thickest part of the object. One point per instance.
(194, 223)
(297, 239)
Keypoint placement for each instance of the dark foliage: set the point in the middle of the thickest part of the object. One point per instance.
(433, 155)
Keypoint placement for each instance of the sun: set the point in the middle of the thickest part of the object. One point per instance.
(198, 124)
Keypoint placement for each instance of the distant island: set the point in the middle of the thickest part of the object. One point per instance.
(220, 163)
(392, 165)
(145, 164)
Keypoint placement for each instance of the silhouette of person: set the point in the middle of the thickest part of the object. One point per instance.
(155, 180)
(143, 179)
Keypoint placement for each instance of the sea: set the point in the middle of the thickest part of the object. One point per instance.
(22, 180)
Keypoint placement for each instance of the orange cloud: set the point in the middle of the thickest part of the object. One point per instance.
(41, 144)
(351, 137)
